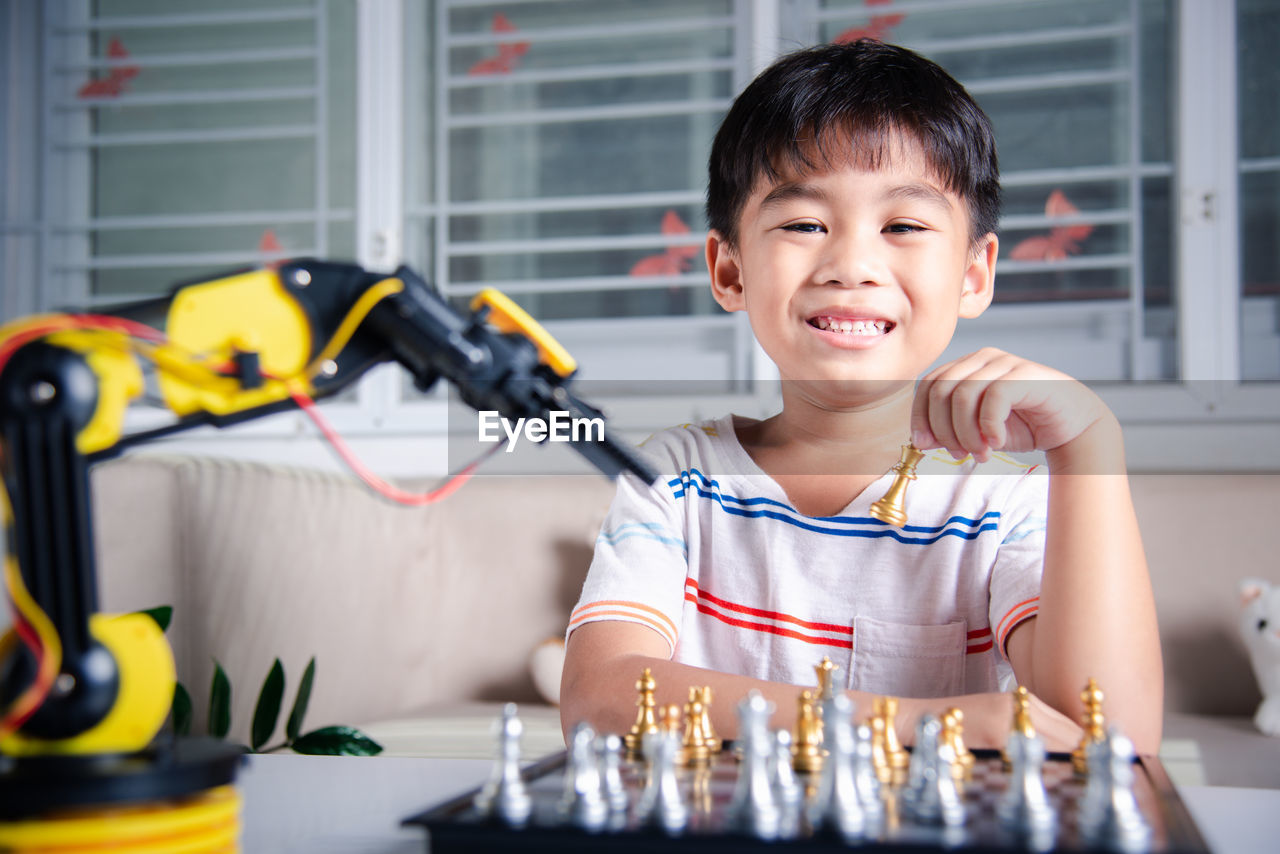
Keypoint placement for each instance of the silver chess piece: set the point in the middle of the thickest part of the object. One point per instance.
(837, 804)
(1024, 808)
(1109, 812)
(609, 756)
(787, 789)
(504, 796)
(661, 803)
(931, 795)
(583, 803)
(865, 779)
(754, 808)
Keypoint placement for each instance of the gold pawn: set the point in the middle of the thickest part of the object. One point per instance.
(1094, 726)
(879, 756)
(1021, 720)
(712, 741)
(694, 745)
(898, 757)
(806, 745)
(889, 509)
(646, 721)
(953, 734)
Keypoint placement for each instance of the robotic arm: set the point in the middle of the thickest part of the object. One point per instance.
(231, 349)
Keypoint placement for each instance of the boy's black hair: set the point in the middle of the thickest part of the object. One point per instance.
(860, 94)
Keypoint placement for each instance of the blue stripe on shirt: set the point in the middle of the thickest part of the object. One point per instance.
(645, 530)
(687, 483)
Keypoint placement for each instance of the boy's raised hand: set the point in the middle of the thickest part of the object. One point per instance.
(994, 401)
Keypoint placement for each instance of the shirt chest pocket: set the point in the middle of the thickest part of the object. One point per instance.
(899, 660)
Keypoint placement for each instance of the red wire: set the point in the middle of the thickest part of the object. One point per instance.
(43, 683)
(387, 490)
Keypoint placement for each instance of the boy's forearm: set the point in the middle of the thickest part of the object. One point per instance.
(1097, 614)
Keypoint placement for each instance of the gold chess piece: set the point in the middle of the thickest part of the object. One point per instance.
(879, 757)
(898, 757)
(709, 737)
(806, 745)
(694, 746)
(1094, 726)
(646, 720)
(889, 509)
(1021, 719)
(953, 735)
(826, 671)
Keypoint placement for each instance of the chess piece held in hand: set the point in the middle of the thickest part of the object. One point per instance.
(890, 508)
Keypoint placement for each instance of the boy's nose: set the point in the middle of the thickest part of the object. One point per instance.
(851, 261)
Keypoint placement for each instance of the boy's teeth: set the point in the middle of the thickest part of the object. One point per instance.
(852, 327)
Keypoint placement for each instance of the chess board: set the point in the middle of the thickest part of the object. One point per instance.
(455, 826)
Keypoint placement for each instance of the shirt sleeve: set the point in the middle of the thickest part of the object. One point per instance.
(641, 560)
(1019, 563)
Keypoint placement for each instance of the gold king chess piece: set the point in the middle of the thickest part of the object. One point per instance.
(1021, 719)
(646, 719)
(1095, 728)
(806, 745)
(890, 508)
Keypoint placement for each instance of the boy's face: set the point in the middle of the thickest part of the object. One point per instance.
(852, 277)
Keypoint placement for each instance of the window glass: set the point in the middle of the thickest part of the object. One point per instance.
(1258, 32)
(188, 139)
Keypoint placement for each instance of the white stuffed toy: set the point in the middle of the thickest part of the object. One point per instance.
(1260, 630)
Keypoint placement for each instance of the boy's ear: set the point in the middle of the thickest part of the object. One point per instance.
(726, 273)
(980, 278)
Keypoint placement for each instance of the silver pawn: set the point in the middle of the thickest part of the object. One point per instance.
(754, 809)
(864, 777)
(504, 796)
(931, 794)
(609, 755)
(837, 804)
(661, 803)
(1109, 812)
(787, 790)
(583, 802)
(1025, 808)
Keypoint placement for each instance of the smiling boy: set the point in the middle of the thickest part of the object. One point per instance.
(853, 200)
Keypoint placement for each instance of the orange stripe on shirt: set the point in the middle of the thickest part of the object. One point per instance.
(1014, 620)
(641, 618)
(760, 612)
(1001, 628)
(639, 606)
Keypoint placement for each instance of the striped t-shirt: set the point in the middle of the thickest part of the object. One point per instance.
(716, 561)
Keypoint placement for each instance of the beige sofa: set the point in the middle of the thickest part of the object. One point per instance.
(413, 611)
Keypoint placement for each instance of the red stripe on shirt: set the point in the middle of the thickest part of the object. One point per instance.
(760, 612)
(762, 627)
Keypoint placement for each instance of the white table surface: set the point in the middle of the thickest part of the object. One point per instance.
(326, 804)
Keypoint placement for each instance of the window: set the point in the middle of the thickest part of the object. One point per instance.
(557, 149)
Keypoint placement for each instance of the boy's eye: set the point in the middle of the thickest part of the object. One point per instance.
(903, 228)
(804, 228)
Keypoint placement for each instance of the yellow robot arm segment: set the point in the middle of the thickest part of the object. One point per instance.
(506, 316)
(147, 679)
(212, 322)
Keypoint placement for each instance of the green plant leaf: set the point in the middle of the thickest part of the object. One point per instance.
(336, 741)
(181, 710)
(294, 727)
(267, 711)
(162, 614)
(219, 702)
